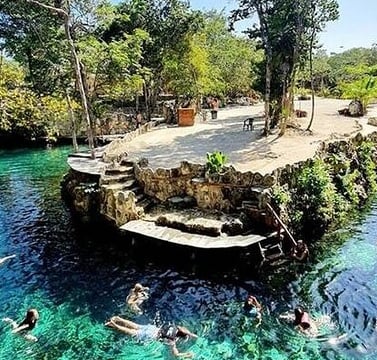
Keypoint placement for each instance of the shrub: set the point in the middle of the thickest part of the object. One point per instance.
(216, 162)
(366, 152)
(317, 202)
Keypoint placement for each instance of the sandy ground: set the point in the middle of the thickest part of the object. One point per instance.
(167, 146)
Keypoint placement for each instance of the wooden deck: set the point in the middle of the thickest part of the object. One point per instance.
(162, 233)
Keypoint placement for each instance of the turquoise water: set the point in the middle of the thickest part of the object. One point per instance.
(78, 277)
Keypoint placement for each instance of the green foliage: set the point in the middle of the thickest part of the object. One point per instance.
(367, 156)
(211, 61)
(235, 59)
(316, 198)
(216, 162)
(114, 71)
(288, 31)
(23, 113)
(350, 191)
(281, 196)
(364, 90)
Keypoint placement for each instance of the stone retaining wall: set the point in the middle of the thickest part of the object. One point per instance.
(226, 193)
(287, 175)
(118, 147)
(82, 193)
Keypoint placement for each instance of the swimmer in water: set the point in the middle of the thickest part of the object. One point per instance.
(169, 333)
(137, 295)
(253, 309)
(302, 321)
(26, 325)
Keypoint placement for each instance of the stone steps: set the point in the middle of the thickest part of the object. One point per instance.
(115, 179)
(120, 170)
(127, 185)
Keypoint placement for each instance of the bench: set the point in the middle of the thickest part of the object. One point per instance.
(248, 124)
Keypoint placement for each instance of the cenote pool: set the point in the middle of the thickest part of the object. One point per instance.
(77, 278)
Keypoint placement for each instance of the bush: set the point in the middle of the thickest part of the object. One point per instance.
(366, 153)
(216, 162)
(316, 201)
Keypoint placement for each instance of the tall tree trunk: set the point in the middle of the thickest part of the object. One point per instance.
(84, 102)
(146, 100)
(90, 101)
(1, 64)
(311, 84)
(267, 94)
(73, 122)
(312, 37)
(76, 64)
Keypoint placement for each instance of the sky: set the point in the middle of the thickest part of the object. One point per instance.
(356, 26)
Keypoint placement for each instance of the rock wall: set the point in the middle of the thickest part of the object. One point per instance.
(287, 175)
(82, 193)
(118, 147)
(228, 192)
(119, 206)
(225, 193)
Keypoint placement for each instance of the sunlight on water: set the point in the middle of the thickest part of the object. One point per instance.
(79, 277)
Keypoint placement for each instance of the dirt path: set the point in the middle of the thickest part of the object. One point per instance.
(247, 151)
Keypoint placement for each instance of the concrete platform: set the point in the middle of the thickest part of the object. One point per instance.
(162, 233)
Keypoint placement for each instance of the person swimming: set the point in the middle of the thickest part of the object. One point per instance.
(168, 333)
(26, 325)
(137, 295)
(302, 321)
(253, 308)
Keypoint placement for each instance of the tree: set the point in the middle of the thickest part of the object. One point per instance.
(65, 15)
(234, 57)
(283, 30)
(320, 12)
(35, 39)
(167, 23)
(24, 114)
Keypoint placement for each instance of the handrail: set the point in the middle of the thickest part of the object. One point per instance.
(276, 216)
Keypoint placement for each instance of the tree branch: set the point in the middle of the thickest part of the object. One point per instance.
(48, 7)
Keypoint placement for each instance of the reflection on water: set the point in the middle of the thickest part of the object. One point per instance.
(78, 277)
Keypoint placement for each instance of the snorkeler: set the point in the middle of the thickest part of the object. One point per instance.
(170, 334)
(4, 259)
(137, 295)
(253, 308)
(26, 325)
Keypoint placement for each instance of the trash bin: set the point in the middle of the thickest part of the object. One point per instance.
(213, 114)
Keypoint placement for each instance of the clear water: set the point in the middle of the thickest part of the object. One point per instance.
(77, 278)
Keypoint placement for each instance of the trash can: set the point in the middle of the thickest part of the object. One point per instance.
(213, 114)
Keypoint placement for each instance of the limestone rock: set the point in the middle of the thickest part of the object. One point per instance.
(372, 121)
(355, 108)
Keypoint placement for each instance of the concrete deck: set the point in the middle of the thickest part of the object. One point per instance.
(167, 146)
(162, 233)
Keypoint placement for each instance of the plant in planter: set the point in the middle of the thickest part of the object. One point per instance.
(215, 165)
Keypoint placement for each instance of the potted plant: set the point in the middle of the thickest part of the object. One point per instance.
(215, 165)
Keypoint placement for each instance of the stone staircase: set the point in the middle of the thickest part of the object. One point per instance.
(123, 199)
